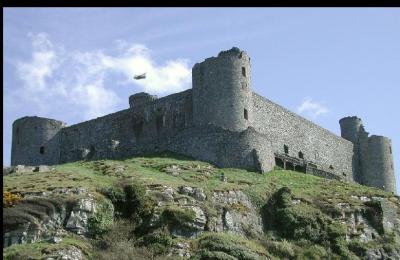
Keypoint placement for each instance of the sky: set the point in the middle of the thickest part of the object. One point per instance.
(75, 64)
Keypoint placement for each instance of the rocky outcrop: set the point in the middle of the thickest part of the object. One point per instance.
(39, 218)
(184, 213)
(70, 253)
(235, 213)
(230, 211)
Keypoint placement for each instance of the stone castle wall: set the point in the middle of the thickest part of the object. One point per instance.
(132, 131)
(329, 152)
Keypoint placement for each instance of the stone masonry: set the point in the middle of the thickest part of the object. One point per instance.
(220, 120)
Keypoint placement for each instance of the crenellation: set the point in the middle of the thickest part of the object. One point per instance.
(220, 120)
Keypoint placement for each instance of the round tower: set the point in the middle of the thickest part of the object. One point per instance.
(379, 161)
(35, 141)
(222, 91)
(350, 128)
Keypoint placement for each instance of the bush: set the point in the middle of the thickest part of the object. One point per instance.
(160, 243)
(208, 255)
(131, 201)
(302, 221)
(125, 250)
(216, 245)
(121, 230)
(280, 249)
(11, 199)
(101, 221)
(177, 216)
(314, 252)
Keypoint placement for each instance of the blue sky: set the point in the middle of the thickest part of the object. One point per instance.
(74, 64)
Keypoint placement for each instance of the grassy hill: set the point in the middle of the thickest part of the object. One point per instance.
(302, 215)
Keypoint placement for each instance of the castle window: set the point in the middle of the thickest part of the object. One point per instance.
(246, 116)
(286, 149)
(244, 85)
(390, 149)
(331, 167)
(240, 55)
(244, 71)
(17, 134)
(344, 174)
(301, 155)
(41, 150)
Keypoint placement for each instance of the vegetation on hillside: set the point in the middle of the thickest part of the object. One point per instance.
(292, 231)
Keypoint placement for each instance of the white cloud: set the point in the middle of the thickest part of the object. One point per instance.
(42, 64)
(54, 77)
(312, 108)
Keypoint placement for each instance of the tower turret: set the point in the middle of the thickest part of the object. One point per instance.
(222, 90)
(140, 99)
(350, 128)
(35, 141)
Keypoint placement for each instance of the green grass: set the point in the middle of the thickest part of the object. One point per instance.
(97, 175)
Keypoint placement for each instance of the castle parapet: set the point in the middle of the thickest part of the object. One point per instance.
(140, 99)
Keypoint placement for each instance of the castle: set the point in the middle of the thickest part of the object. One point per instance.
(220, 120)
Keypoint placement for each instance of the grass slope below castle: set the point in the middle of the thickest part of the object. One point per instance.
(176, 171)
(101, 174)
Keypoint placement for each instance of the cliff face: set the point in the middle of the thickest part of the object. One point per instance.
(171, 207)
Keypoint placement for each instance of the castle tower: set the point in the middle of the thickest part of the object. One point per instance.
(222, 91)
(379, 164)
(350, 128)
(372, 159)
(35, 141)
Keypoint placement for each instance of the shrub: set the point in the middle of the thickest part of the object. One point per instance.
(131, 201)
(121, 230)
(302, 221)
(11, 199)
(280, 249)
(160, 242)
(101, 221)
(177, 216)
(125, 250)
(212, 255)
(216, 244)
(314, 252)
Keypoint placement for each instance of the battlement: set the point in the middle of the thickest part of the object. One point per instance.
(350, 119)
(32, 121)
(140, 99)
